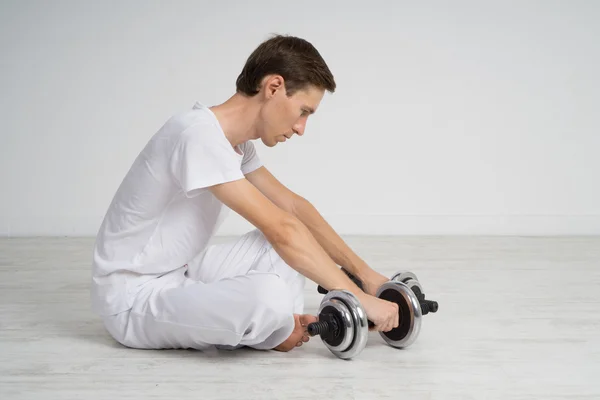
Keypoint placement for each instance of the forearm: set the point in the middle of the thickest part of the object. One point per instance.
(329, 240)
(300, 250)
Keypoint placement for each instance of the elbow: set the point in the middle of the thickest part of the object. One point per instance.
(300, 205)
(285, 232)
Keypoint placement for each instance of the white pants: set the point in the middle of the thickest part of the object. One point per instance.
(236, 294)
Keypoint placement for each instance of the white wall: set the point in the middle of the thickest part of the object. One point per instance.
(461, 117)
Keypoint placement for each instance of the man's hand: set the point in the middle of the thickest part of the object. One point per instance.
(383, 313)
(372, 280)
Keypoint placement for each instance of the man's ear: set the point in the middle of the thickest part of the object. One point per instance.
(274, 83)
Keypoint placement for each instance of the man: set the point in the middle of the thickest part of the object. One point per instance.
(157, 282)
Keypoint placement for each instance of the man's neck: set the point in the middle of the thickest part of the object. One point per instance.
(238, 117)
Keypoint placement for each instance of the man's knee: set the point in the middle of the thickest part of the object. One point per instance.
(271, 261)
(272, 293)
(260, 238)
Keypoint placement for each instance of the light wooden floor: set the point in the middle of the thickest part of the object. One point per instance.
(519, 318)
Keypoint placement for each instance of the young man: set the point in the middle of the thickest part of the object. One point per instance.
(156, 281)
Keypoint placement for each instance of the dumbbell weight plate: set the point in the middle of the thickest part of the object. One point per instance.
(412, 283)
(404, 276)
(354, 337)
(409, 309)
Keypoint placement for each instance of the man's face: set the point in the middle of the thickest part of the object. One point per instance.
(284, 116)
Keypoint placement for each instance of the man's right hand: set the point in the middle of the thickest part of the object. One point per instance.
(383, 313)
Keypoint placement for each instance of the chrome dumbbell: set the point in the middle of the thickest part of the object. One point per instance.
(342, 324)
(405, 290)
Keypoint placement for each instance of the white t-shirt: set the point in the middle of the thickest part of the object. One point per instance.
(162, 215)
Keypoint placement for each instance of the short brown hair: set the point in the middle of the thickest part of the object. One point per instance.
(295, 59)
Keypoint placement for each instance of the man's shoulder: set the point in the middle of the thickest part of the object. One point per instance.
(197, 118)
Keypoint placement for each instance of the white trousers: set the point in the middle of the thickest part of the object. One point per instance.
(235, 294)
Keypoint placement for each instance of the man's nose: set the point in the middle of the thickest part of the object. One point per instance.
(299, 129)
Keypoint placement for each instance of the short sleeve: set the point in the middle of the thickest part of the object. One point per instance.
(202, 157)
(251, 160)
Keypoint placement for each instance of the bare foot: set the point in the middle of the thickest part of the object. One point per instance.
(299, 334)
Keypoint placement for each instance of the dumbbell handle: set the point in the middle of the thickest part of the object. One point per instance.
(354, 279)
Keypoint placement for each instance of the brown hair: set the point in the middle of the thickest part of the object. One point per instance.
(295, 59)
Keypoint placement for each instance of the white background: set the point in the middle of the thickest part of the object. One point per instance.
(463, 117)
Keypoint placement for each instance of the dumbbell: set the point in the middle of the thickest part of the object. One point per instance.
(343, 328)
(342, 325)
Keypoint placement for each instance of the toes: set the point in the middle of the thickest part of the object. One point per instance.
(306, 319)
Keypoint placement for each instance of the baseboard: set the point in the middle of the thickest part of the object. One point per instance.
(391, 224)
(528, 225)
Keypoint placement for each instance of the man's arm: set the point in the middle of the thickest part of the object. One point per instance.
(289, 237)
(302, 209)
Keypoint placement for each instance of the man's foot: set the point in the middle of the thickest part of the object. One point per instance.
(299, 334)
